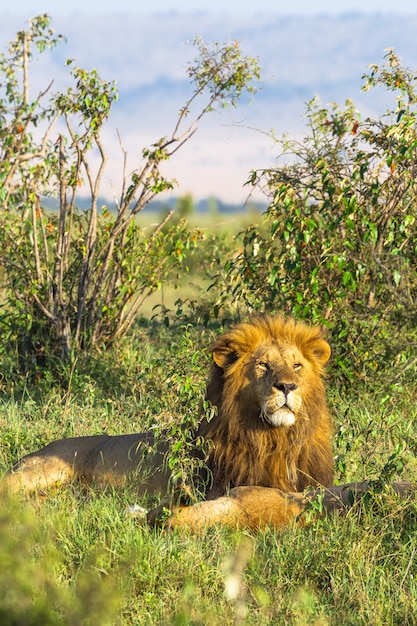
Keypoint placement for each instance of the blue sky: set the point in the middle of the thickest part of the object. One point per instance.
(235, 7)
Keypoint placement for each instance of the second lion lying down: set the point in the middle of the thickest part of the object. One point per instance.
(271, 436)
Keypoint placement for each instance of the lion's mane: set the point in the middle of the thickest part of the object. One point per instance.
(245, 449)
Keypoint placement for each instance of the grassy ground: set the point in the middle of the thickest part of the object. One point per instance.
(76, 556)
(220, 231)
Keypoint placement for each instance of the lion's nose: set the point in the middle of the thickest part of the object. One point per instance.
(285, 387)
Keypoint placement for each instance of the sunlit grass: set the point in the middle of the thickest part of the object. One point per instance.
(76, 555)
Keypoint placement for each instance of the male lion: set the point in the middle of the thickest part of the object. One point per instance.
(272, 429)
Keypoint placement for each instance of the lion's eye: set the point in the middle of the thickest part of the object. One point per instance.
(263, 366)
(297, 367)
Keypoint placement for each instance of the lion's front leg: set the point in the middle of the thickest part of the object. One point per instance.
(260, 507)
(243, 507)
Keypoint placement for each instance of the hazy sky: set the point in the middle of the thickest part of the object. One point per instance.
(236, 7)
(201, 168)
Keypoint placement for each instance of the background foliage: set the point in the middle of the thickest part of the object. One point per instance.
(74, 279)
(338, 245)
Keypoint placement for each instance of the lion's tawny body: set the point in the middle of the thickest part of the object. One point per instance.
(272, 429)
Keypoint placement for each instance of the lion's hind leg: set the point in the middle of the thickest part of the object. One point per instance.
(56, 464)
(35, 473)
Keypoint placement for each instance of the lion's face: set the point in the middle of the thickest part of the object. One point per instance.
(277, 375)
(270, 369)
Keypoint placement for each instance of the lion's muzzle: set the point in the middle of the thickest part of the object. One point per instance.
(280, 408)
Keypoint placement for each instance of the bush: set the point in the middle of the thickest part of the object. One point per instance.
(76, 279)
(338, 244)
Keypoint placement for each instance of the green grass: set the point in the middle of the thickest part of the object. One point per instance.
(76, 556)
(219, 232)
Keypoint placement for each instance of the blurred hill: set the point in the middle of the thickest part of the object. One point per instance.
(148, 56)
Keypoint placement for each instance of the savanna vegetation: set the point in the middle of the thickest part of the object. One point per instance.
(78, 356)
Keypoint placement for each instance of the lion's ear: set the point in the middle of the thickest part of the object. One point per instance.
(321, 351)
(224, 354)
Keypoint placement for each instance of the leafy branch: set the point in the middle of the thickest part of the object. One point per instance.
(78, 279)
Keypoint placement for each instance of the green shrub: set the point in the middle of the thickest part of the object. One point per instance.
(76, 279)
(339, 242)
